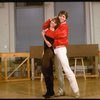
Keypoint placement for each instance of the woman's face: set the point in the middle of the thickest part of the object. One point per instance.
(53, 23)
(62, 18)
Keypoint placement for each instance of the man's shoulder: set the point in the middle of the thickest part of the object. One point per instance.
(64, 25)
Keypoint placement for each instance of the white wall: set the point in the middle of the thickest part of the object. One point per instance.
(27, 32)
(96, 22)
(88, 22)
(7, 24)
(48, 10)
(76, 20)
(28, 23)
(7, 28)
(4, 29)
(11, 27)
(92, 11)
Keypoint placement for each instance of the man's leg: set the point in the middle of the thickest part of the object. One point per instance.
(61, 55)
(60, 76)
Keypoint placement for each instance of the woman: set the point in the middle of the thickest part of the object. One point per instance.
(47, 60)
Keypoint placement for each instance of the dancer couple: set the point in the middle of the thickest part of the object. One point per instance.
(55, 35)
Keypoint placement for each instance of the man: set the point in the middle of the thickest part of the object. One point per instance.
(60, 50)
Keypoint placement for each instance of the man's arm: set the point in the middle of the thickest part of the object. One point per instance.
(61, 32)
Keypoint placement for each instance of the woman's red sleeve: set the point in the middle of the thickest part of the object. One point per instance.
(46, 24)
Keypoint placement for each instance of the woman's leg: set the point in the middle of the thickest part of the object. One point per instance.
(47, 70)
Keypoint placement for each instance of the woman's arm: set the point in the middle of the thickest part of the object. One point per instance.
(46, 41)
(46, 24)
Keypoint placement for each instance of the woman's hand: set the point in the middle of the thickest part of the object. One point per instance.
(43, 32)
(48, 43)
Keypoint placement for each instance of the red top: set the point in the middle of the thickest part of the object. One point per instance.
(49, 33)
(46, 24)
(60, 34)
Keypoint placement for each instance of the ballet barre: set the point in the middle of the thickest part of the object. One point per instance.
(85, 50)
(73, 52)
(4, 58)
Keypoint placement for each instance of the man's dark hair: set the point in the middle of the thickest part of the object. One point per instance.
(63, 13)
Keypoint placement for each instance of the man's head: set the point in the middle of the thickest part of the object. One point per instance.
(63, 15)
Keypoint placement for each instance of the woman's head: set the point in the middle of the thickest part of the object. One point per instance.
(62, 15)
(55, 22)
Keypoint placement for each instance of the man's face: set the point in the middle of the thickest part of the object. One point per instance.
(62, 18)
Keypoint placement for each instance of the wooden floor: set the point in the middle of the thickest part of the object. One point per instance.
(34, 89)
